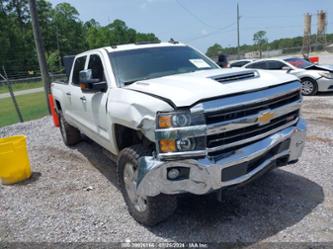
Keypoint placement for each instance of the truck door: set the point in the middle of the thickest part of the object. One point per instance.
(95, 109)
(74, 95)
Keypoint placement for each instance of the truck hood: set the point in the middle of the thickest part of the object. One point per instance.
(183, 90)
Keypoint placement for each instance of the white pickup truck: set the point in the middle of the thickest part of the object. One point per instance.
(177, 123)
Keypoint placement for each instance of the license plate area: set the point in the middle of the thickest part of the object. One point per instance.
(235, 171)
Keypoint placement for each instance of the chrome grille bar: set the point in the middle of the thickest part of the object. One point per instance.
(252, 139)
(251, 120)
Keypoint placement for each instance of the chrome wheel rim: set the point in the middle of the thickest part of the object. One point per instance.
(130, 175)
(307, 87)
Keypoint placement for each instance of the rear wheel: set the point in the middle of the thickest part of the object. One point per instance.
(309, 87)
(70, 135)
(146, 210)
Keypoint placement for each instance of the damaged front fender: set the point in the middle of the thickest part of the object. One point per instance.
(135, 110)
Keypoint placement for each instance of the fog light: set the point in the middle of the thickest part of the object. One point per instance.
(173, 174)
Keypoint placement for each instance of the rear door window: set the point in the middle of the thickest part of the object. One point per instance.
(275, 65)
(258, 65)
(239, 64)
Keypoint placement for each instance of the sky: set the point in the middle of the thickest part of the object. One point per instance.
(201, 23)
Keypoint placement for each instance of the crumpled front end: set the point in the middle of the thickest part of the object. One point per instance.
(224, 142)
(207, 174)
(325, 84)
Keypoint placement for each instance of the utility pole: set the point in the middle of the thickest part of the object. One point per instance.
(238, 39)
(40, 50)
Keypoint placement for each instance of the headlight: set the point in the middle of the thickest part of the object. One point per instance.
(180, 131)
(176, 119)
(327, 75)
(182, 144)
(181, 120)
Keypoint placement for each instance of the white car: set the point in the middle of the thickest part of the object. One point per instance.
(314, 78)
(177, 123)
(240, 63)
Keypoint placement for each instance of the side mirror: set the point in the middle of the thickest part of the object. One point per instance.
(88, 84)
(286, 68)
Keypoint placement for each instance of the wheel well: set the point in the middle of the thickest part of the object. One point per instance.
(311, 79)
(126, 137)
(306, 77)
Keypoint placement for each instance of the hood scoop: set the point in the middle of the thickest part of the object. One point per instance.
(244, 75)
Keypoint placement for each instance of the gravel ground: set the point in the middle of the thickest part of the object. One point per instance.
(293, 204)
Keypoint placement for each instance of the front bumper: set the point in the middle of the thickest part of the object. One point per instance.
(325, 85)
(208, 174)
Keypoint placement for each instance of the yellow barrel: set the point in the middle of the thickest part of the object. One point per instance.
(14, 160)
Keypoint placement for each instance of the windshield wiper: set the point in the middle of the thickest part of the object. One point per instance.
(126, 83)
(129, 82)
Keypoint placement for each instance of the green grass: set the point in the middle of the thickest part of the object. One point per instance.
(32, 106)
(21, 86)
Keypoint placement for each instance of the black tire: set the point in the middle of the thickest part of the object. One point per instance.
(309, 87)
(157, 208)
(70, 135)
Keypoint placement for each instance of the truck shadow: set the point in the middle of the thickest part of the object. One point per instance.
(278, 200)
(252, 213)
(324, 94)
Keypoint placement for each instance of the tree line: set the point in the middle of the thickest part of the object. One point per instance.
(63, 33)
(289, 45)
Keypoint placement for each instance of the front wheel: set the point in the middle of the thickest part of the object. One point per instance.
(309, 87)
(146, 210)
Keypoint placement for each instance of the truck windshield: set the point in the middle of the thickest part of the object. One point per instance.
(147, 63)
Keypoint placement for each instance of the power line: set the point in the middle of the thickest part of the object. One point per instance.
(277, 27)
(268, 17)
(213, 33)
(194, 15)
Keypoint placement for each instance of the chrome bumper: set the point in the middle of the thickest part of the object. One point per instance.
(207, 174)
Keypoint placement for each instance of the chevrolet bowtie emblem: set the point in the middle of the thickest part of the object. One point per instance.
(265, 117)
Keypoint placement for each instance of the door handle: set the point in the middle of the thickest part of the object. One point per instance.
(68, 94)
(83, 98)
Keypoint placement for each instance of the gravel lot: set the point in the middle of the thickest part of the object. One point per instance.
(294, 203)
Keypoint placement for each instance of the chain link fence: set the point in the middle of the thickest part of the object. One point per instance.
(22, 99)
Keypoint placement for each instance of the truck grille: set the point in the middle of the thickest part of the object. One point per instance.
(243, 111)
(228, 138)
(237, 122)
